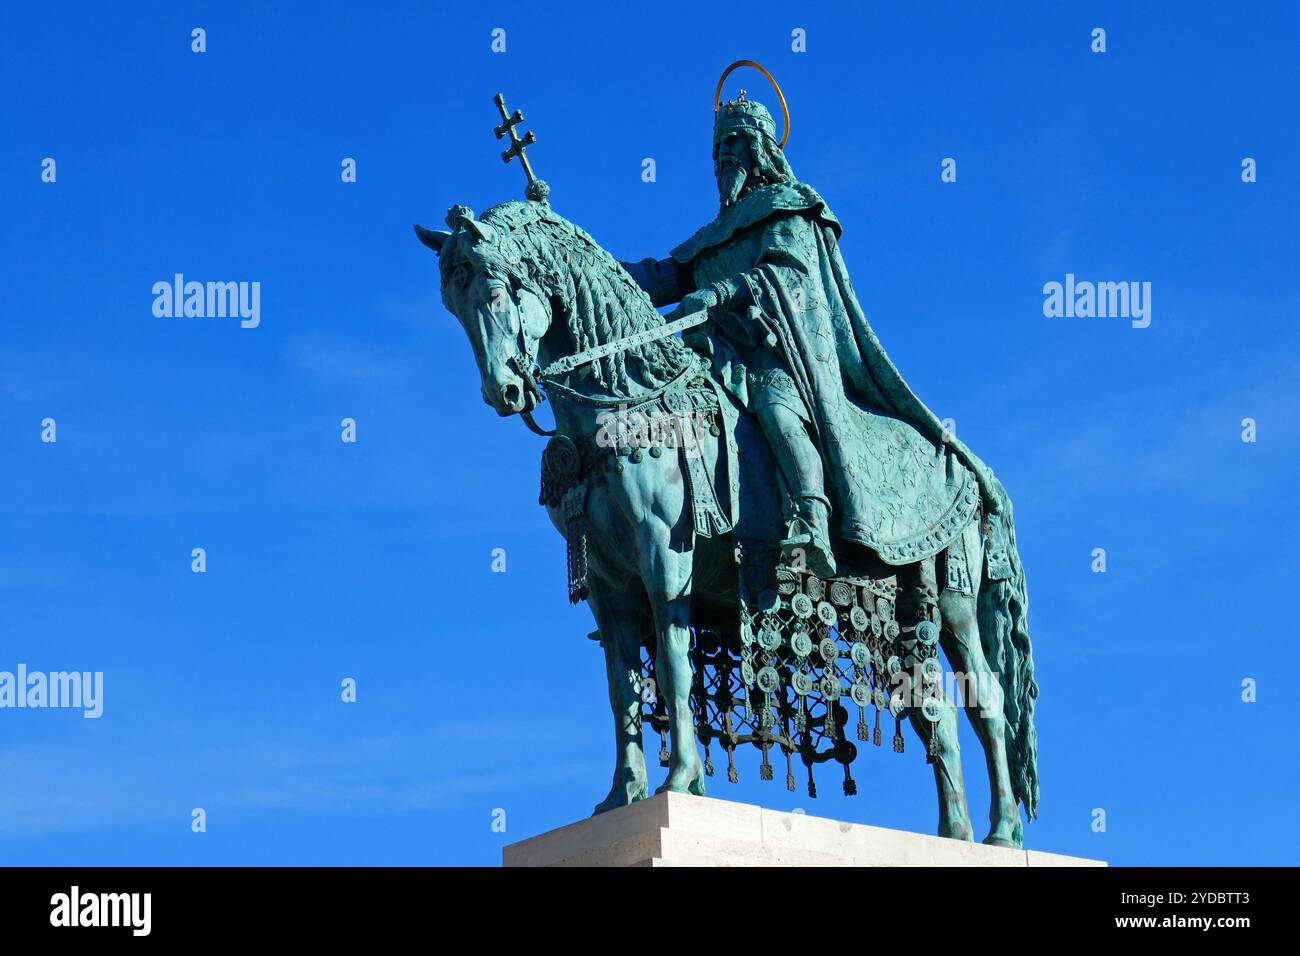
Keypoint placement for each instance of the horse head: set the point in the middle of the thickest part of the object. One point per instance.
(487, 285)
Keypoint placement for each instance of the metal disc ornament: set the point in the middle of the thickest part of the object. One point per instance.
(859, 619)
(932, 709)
(677, 401)
(802, 605)
(801, 644)
(841, 593)
(827, 614)
(927, 632)
(768, 680)
(896, 705)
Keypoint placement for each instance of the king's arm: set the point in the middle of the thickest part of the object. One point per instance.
(779, 281)
(665, 280)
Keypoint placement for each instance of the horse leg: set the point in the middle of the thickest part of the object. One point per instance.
(960, 639)
(954, 816)
(666, 573)
(617, 618)
(917, 590)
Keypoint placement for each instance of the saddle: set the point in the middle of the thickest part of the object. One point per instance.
(673, 421)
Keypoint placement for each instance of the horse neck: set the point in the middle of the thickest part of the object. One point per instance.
(602, 310)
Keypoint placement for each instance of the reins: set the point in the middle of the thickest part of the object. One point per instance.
(527, 369)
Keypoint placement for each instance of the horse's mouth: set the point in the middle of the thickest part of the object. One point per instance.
(517, 399)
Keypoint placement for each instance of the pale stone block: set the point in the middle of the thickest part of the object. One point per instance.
(722, 818)
(605, 830)
(1040, 858)
(675, 829)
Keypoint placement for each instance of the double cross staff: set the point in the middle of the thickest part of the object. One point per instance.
(536, 188)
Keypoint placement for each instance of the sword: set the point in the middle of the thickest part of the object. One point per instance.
(568, 363)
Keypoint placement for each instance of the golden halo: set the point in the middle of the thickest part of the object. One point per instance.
(785, 110)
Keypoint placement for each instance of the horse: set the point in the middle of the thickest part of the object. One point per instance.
(651, 544)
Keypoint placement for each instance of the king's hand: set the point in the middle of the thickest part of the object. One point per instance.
(697, 301)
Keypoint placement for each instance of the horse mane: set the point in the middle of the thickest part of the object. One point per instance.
(597, 298)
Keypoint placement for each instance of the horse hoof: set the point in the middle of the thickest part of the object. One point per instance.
(695, 787)
(617, 799)
(992, 840)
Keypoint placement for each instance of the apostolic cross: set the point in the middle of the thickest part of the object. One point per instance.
(537, 189)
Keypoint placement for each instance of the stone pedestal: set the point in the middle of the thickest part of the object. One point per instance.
(674, 829)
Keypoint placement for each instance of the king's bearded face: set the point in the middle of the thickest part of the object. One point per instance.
(732, 167)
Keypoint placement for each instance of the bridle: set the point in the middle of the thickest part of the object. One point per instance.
(524, 362)
(527, 370)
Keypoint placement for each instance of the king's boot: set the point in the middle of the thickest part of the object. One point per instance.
(807, 534)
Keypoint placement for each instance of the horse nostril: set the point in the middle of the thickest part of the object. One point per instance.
(510, 393)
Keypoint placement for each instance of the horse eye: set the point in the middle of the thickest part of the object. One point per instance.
(460, 276)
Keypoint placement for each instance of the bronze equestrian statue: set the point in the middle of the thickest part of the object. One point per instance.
(768, 525)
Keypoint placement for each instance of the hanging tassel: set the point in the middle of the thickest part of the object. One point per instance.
(765, 768)
(732, 775)
(708, 762)
(789, 772)
(575, 535)
(812, 784)
(663, 750)
(898, 735)
(801, 713)
(850, 786)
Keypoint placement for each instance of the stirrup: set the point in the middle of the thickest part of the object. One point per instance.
(818, 557)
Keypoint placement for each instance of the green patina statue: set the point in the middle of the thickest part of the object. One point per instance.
(768, 525)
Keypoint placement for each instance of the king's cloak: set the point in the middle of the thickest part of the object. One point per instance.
(901, 484)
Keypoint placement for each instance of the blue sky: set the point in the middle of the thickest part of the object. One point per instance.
(479, 691)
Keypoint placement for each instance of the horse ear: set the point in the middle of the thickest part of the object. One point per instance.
(433, 238)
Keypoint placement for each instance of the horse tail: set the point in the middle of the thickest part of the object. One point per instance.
(1003, 612)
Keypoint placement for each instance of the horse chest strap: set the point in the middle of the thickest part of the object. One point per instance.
(562, 469)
